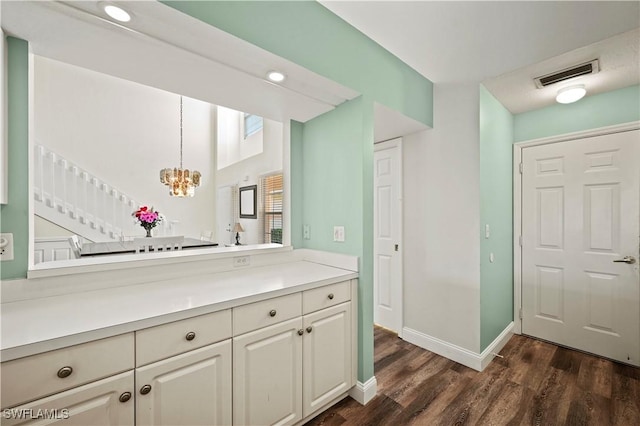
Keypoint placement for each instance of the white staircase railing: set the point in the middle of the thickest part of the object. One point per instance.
(74, 199)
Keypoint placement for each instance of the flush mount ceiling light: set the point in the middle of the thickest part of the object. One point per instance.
(275, 76)
(181, 182)
(117, 13)
(571, 94)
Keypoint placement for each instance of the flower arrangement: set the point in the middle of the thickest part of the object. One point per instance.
(147, 218)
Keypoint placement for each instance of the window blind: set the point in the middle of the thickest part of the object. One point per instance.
(272, 200)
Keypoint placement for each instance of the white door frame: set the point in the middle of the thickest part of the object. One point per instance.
(517, 202)
(378, 146)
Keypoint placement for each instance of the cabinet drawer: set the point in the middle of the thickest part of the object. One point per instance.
(29, 378)
(323, 297)
(267, 312)
(164, 341)
(98, 403)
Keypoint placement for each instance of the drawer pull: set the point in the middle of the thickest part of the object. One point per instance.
(330, 296)
(145, 389)
(65, 372)
(272, 313)
(309, 329)
(125, 397)
(300, 332)
(190, 336)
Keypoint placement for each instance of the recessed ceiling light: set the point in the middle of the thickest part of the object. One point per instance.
(571, 94)
(117, 13)
(275, 76)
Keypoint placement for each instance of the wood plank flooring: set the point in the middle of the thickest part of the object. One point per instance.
(536, 383)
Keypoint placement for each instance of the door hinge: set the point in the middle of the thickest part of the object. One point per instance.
(521, 168)
(520, 313)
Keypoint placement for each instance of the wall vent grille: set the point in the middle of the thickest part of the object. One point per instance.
(586, 68)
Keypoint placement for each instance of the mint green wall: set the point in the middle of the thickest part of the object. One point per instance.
(310, 35)
(336, 190)
(14, 216)
(496, 210)
(606, 109)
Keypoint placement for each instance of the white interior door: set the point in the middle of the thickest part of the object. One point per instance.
(580, 220)
(387, 228)
(224, 216)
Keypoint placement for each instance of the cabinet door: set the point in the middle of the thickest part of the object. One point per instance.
(193, 388)
(326, 356)
(96, 403)
(267, 375)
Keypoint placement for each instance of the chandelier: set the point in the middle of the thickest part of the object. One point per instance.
(181, 182)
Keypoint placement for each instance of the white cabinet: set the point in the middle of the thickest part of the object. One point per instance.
(105, 402)
(276, 361)
(193, 388)
(267, 375)
(288, 371)
(326, 360)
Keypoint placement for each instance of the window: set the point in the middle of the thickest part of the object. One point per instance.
(252, 124)
(272, 206)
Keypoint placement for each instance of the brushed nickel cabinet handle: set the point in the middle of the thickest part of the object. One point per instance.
(65, 372)
(309, 329)
(190, 336)
(125, 397)
(272, 313)
(330, 296)
(300, 332)
(145, 389)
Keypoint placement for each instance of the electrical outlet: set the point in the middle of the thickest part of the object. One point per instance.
(338, 234)
(306, 232)
(240, 261)
(6, 247)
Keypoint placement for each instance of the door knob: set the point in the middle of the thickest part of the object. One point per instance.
(627, 259)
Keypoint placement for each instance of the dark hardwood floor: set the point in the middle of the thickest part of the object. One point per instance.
(536, 383)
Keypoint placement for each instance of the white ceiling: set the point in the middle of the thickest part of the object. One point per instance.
(167, 49)
(479, 41)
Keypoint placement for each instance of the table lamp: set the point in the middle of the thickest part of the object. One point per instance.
(237, 229)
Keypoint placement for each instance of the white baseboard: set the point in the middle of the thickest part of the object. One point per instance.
(456, 353)
(496, 346)
(364, 392)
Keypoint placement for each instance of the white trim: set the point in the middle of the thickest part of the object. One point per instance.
(459, 354)
(380, 146)
(364, 392)
(517, 199)
(496, 346)
(617, 128)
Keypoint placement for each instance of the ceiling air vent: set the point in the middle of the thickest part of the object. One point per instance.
(586, 68)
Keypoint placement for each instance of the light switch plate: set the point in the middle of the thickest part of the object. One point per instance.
(6, 247)
(338, 234)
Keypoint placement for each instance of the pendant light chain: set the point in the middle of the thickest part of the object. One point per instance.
(180, 131)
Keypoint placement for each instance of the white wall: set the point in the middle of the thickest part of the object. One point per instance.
(441, 221)
(251, 168)
(124, 133)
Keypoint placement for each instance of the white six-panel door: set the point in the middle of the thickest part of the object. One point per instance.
(387, 228)
(580, 219)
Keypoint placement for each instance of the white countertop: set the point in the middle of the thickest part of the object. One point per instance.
(39, 325)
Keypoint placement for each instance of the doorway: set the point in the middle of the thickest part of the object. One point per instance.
(577, 211)
(387, 267)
